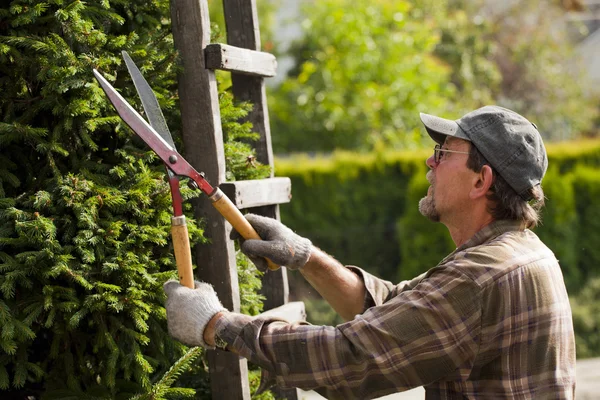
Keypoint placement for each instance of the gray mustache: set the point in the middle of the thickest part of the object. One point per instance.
(430, 177)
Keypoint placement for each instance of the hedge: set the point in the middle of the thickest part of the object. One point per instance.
(362, 208)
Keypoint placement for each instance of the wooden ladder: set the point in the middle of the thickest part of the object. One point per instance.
(203, 139)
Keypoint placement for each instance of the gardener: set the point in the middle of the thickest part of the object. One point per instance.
(491, 320)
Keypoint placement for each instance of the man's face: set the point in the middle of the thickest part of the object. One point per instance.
(449, 180)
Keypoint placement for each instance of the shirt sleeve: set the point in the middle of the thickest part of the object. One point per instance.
(421, 335)
(378, 290)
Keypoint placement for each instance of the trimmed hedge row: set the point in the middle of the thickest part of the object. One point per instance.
(362, 208)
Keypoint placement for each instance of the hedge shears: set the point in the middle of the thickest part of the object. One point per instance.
(156, 134)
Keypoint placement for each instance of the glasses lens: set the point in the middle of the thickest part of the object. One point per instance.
(436, 153)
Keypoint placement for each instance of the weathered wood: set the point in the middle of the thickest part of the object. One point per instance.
(241, 21)
(203, 140)
(252, 89)
(243, 61)
(204, 149)
(257, 193)
(228, 375)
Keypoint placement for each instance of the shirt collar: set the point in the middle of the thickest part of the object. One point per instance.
(490, 231)
(485, 234)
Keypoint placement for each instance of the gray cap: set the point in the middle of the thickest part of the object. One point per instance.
(509, 142)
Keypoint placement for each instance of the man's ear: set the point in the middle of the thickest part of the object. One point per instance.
(482, 182)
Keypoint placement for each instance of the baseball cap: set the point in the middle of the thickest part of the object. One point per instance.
(509, 142)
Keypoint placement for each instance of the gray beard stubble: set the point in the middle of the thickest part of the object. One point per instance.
(427, 204)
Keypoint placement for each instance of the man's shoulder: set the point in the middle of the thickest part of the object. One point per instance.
(501, 255)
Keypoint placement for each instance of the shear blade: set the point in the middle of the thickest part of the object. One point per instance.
(149, 101)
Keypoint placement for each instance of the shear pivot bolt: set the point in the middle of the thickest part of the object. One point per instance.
(172, 159)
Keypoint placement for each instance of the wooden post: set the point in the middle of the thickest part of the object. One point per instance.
(243, 31)
(204, 149)
(203, 140)
(241, 20)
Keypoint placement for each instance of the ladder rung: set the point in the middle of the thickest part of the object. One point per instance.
(259, 192)
(236, 59)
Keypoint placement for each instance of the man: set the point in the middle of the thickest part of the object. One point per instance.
(491, 320)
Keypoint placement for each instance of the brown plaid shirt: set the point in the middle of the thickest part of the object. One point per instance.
(491, 320)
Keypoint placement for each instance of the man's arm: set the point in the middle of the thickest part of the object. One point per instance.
(419, 336)
(340, 287)
(343, 289)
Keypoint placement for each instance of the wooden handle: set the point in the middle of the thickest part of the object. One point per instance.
(237, 220)
(183, 255)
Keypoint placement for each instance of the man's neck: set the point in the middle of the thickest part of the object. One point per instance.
(464, 228)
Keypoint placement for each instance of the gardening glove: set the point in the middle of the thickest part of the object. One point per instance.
(279, 244)
(190, 310)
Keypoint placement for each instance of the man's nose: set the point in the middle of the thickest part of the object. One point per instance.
(431, 162)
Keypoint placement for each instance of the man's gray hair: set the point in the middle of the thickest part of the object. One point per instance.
(507, 203)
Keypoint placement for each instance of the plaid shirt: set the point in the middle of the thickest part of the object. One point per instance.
(491, 320)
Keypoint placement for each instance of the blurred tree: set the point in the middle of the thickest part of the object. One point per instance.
(467, 47)
(363, 70)
(541, 77)
(572, 5)
(519, 55)
(586, 319)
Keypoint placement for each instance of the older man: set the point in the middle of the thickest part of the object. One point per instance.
(491, 320)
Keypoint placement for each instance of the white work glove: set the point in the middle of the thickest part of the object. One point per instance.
(279, 244)
(190, 310)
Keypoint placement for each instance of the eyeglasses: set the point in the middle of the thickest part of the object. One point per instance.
(437, 152)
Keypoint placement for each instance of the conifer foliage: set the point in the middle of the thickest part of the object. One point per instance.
(84, 206)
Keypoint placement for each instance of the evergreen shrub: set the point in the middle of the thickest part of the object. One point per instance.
(560, 223)
(586, 185)
(586, 319)
(85, 209)
(586, 301)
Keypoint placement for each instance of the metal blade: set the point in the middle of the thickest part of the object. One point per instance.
(167, 153)
(157, 121)
(149, 101)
